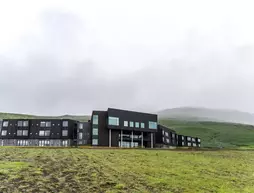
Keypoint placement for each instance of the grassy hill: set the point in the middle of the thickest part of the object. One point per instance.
(205, 114)
(215, 134)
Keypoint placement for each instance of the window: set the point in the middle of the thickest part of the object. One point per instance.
(152, 125)
(163, 139)
(137, 124)
(113, 121)
(20, 123)
(173, 135)
(182, 137)
(166, 134)
(65, 133)
(95, 141)
(194, 145)
(4, 133)
(43, 124)
(198, 140)
(25, 123)
(80, 135)
(47, 133)
(65, 142)
(95, 131)
(5, 123)
(80, 126)
(188, 138)
(25, 132)
(19, 132)
(125, 123)
(162, 132)
(189, 144)
(131, 124)
(167, 140)
(142, 125)
(65, 123)
(48, 124)
(198, 145)
(41, 133)
(95, 119)
(182, 143)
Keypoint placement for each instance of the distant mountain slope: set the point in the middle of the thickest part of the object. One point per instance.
(214, 134)
(205, 114)
(24, 116)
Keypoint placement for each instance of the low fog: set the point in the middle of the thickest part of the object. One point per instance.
(67, 58)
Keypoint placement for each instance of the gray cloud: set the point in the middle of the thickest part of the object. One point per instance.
(62, 72)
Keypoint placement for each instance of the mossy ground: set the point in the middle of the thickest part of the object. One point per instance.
(94, 170)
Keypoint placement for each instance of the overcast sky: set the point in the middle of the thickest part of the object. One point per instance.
(70, 57)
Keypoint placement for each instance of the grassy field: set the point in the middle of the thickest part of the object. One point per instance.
(94, 170)
(212, 134)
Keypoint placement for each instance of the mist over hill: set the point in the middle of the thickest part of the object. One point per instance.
(206, 114)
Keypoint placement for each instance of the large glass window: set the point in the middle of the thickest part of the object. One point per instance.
(113, 121)
(80, 135)
(80, 126)
(41, 133)
(95, 141)
(47, 133)
(48, 124)
(142, 125)
(43, 124)
(152, 125)
(20, 123)
(125, 123)
(19, 132)
(64, 133)
(95, 131)
(137, 124)
(5, 124)
(25, 123)
(95, 119)
(131, 124)
(25, 132)
(65, 123)
(4, 132)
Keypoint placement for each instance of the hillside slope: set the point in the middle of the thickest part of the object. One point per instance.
(205, 114)
(214, 134)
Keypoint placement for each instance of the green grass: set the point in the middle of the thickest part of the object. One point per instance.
(214, 134)
(94, 170)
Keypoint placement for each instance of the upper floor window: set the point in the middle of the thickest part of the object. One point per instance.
(173, 135)
(19, 132)
(80, 126)
(95, 131)
(25, 132)
(152, 125)
(188, 138)
(113, 121)
(65, 133)
(182, 137)
(65, 124)
(5, 123)
(193, 139)
(42, 133)
(80, 135)
(95, 119)
(137, 124)
(25, 123)
(131, 124)
(48, 124)
(142, 125)
(166, 133)
(198, 140)
(4, 132)
(47, 132)
(125, 123)
(43, 124)
(20, 123)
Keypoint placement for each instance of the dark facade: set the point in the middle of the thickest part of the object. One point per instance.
(111, 128)
(38, 132)
(120, 128)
